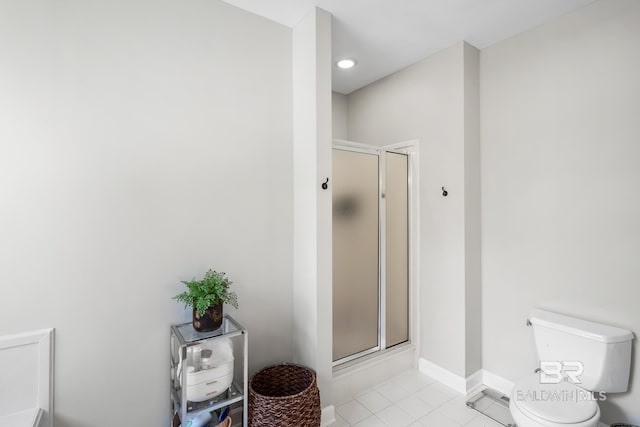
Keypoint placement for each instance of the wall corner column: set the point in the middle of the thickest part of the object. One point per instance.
(473, 288)
(312, 263)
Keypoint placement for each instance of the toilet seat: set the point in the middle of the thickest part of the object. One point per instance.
(550, 404)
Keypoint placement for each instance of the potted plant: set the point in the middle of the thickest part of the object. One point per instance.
(206, 297)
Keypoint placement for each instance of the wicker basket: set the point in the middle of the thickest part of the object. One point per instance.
(284, 396)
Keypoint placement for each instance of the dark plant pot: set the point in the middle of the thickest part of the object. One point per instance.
(210, 320)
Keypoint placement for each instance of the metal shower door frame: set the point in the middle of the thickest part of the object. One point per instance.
(404, 149)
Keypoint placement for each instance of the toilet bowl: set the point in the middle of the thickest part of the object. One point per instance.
(533, 404)
(577, 358)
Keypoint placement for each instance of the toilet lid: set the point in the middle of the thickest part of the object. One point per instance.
(563, 403)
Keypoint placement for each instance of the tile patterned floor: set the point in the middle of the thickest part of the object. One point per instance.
(411, 400)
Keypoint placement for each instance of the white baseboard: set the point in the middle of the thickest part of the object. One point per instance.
(474, 383)
(443, 376)
(328, 416)
(497, 382)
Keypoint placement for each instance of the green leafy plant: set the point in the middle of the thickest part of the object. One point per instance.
(213, 289)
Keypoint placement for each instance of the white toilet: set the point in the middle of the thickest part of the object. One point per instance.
(581, 360)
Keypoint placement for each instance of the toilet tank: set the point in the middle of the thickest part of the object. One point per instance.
(604, 351)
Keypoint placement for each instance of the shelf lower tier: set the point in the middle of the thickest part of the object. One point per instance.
(233, 395)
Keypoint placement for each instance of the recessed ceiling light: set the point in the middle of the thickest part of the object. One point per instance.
(346, 63)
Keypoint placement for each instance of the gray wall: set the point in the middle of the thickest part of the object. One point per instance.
(142, 143)
(426, 101)
(560, 183)
(339, 116)
(473, 288)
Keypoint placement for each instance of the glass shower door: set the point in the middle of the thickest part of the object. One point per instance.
(355, 253)
(370, 250)
(396, 248)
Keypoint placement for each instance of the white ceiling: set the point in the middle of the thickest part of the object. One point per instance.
(385, 36)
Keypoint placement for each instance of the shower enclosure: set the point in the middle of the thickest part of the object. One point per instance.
(370, 250)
